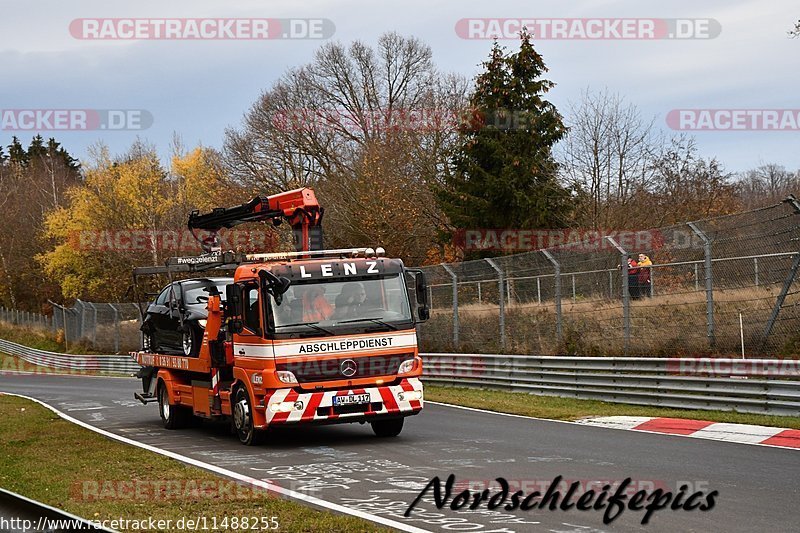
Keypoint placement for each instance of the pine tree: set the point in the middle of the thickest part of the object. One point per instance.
(505, 173)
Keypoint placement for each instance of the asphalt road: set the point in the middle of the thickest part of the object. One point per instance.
(758, 486)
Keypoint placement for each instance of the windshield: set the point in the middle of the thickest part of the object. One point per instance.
(195, 293)
(380, 301)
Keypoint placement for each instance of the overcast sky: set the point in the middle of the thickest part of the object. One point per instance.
(198, 88)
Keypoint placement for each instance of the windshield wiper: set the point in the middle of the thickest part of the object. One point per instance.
(312, 325)
(375, 320)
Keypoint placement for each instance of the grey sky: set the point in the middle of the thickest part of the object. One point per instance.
(198, 88)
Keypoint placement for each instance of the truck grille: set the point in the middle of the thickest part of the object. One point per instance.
(330, 369)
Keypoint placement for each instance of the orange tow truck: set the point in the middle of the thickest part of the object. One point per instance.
(306, 337)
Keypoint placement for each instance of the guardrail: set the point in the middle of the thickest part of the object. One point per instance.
(745, 385)
(117, 364)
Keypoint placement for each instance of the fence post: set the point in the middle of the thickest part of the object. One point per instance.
(94, 324)
(80, 318)
(455, 303)
(64, 318)
(709, 283)
(626, 296)
(501, 287)
(787, 284)
(117, 331)
(539, 289)
(755, 268)
(652, 281)
(557, 296)
(574, 297)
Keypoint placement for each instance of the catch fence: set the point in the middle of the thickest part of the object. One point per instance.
(718, 286)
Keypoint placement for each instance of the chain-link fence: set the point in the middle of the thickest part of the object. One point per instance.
(714, 286)
(720, 285)
(103, 327)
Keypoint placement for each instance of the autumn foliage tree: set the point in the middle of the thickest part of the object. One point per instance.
(33, 181)
(131, 195)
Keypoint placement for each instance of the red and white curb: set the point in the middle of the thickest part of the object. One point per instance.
(702, 429)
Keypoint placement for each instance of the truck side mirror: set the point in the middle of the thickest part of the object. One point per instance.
(421, 292)
(233, 307)
(277, 286)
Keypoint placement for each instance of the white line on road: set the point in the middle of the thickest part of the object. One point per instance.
(231, 474)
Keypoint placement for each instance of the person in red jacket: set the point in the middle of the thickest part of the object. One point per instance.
(633, 279)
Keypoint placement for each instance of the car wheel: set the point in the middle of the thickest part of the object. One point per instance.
(388, 428)
(192, 338)
(243, 418)
(172, 416)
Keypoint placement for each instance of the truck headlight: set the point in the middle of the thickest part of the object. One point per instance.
(286, 377)
(202, 323)
(409, 365)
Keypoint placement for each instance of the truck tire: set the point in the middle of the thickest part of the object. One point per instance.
(172, 416)
(243, 418)
(388, 428)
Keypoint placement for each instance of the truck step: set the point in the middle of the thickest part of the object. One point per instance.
(145, 398)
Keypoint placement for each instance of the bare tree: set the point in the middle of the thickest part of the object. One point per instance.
(767, 184)
(686, 186)
(608, 156)
(324, 123)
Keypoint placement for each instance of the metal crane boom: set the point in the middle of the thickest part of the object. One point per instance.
(298, 207)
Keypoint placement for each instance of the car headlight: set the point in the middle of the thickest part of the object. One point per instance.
(202, 323)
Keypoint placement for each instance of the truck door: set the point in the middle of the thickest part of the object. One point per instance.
(250, 341)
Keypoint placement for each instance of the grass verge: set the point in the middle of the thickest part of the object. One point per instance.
(41, 339)
(53, 461)
(556, 408)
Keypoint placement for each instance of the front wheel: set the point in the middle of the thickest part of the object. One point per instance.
(172, 416)
(388, 428)
(243, 419)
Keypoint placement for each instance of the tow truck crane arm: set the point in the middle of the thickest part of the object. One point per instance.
(299, 207)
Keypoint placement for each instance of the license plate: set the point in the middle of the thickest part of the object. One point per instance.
(350, 399)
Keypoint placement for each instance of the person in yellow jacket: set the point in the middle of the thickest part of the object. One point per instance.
(645, 287)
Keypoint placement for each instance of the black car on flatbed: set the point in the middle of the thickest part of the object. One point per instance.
(175, 321)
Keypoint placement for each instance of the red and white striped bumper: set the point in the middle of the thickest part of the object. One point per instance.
(318, 406)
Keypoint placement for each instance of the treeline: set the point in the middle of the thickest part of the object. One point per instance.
(400, 153)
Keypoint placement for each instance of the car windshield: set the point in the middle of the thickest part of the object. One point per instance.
(380, 301)
(195, 293)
